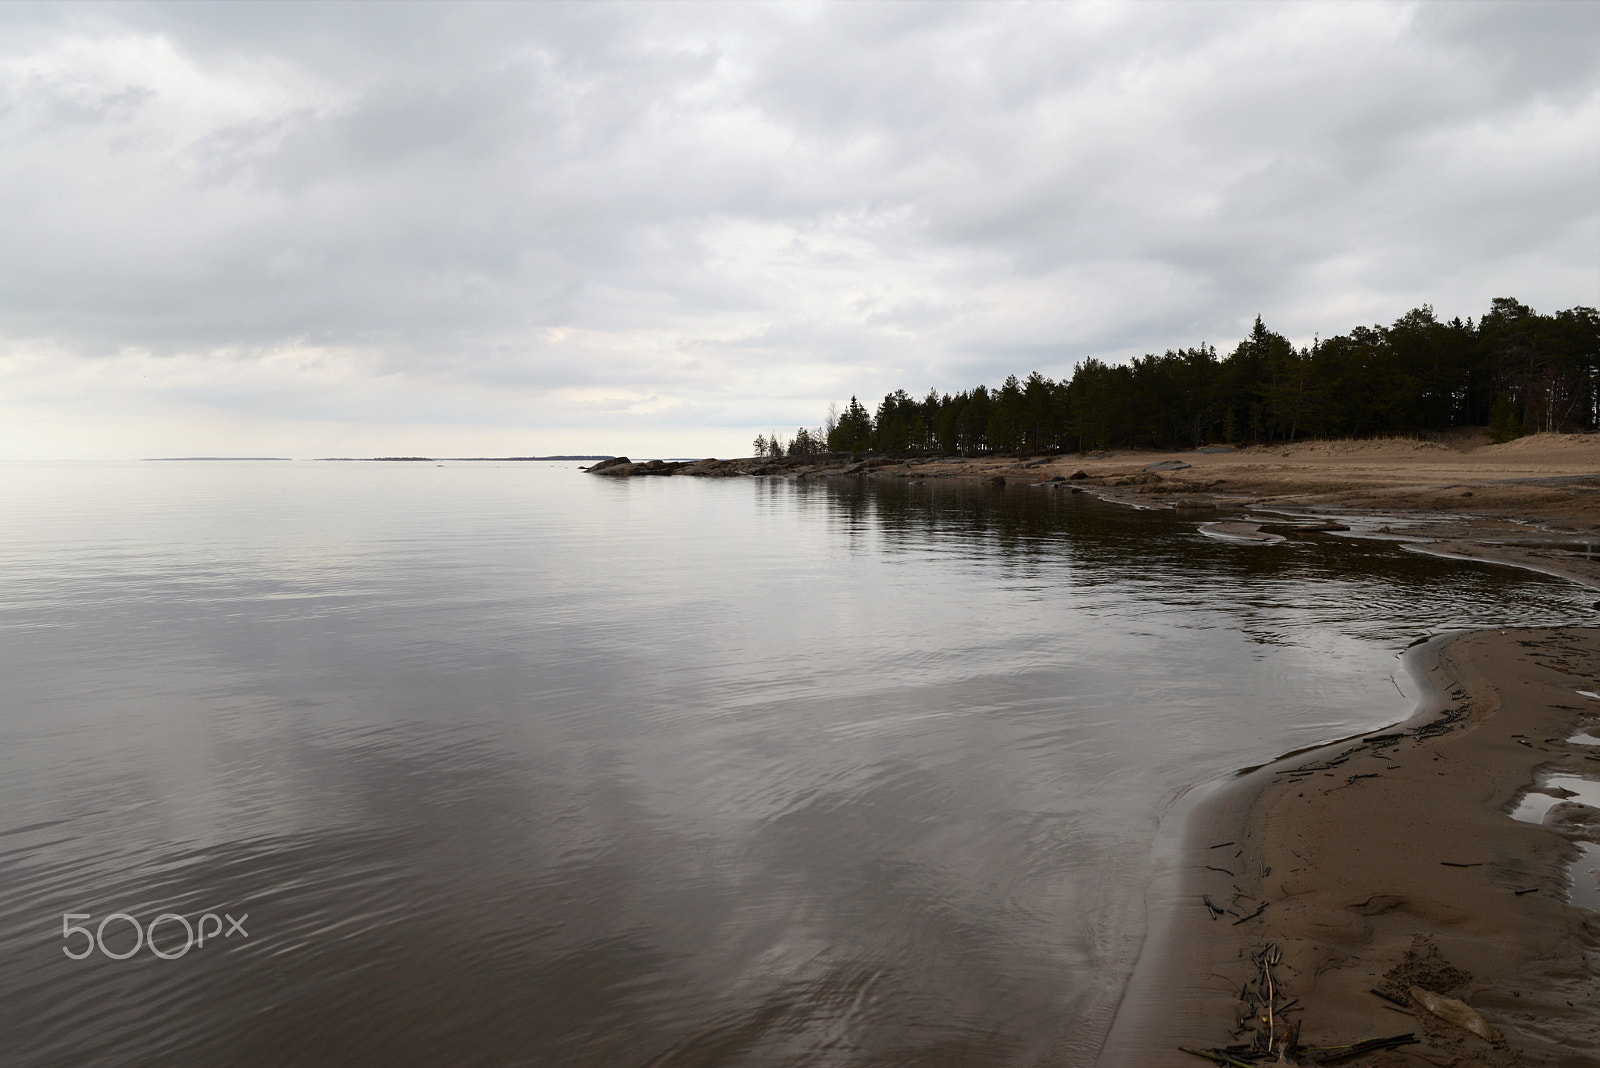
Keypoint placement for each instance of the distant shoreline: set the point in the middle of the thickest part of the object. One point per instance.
(375, 459)
(448, 459)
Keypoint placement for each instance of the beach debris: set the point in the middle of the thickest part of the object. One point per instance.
(1212, 907)
(1454, 1011)
(1217, 1058)
(1252, 916)
(1336, 1054)
(1526, 890)
(1391, 999)
(1219, 845)
(1265, 1001)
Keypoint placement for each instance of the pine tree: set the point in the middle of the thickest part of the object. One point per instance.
(1503, 422)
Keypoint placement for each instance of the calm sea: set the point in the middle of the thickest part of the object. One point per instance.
(500, 764)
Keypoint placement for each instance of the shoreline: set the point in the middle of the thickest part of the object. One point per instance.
(1534, 501)
(1336, 855)
(1371, 867)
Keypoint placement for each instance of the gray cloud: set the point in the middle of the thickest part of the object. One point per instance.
(623, 223)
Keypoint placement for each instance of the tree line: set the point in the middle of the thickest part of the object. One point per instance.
(1514, 370)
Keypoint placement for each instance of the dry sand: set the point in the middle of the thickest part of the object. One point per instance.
(1390, 861)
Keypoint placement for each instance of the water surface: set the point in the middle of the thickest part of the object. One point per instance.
(511, 765)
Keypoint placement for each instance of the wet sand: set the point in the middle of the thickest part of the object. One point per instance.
(1391, 861)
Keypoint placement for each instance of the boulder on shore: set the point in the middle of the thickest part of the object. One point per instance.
(613, 462)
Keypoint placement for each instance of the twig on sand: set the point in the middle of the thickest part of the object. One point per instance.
(1216, 1058)
(1335, 1054)
(1252, 916)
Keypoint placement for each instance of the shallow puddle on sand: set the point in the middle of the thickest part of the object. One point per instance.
(1533, 806)
(1584, 739)
(1586, 693)
(1586, 877)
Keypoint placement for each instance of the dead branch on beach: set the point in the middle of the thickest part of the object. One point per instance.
(1265, 1001)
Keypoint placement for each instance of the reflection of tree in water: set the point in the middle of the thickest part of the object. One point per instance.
(1038, 534)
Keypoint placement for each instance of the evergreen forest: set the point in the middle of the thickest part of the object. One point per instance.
(1514, 370)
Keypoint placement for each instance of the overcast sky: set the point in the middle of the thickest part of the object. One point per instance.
(660, 228)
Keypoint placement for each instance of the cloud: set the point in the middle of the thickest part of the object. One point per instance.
(642, 223)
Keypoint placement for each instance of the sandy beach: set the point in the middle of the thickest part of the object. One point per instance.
(1392, 862)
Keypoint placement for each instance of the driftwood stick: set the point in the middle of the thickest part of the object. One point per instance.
(1271, 1030)
(1216, 1058)
(1252, 916)
(1335, 1054)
